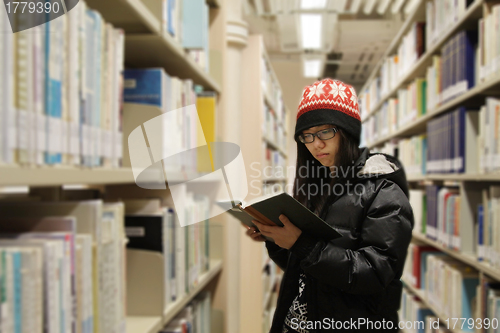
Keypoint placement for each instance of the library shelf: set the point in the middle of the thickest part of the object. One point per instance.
(273, 145)
(466, 258)
(268, 99)
(474, 12)
(424, 299)
(64, 175)
(213, 3)
(146, 50)
(419, 125)
(153, 324)
(133, 16)
(139, 324)
(274, 179)
(418, 12)
(268, 294)
(456, 177)
(174, 308)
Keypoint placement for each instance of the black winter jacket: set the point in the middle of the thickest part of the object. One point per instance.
(354, 278)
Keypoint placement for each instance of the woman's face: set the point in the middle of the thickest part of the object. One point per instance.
(323, 150)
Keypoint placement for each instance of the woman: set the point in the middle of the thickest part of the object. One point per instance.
(352, 283)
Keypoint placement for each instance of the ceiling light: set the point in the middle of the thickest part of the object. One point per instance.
(312, 4)
(312, 68)
(311, 30)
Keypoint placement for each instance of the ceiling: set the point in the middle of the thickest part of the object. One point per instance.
(353, 42)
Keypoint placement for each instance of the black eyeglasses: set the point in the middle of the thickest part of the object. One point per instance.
(325, 134)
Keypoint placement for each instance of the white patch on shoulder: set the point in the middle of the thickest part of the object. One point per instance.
(378, 164)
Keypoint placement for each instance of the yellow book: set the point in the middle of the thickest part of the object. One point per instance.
(206, 106)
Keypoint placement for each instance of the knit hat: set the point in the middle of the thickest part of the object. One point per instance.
(329, 102)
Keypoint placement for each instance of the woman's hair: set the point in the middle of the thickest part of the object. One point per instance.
(313, 181)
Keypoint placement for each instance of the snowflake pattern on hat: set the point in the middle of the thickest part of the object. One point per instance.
(330, 94)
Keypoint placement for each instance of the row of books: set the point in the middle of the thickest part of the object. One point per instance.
(273, 128)
(271, 87)
(61, 90)
(488, 45)
(274, 164)
(488, 226)
(181, 130)
(449, 285)
(185, 250)
(488, 303)
(441, 15)
(455, 71)
(415, 315)
(451, 74)
(460, 141)
(194, 318)
(65, 264)
(440, 216)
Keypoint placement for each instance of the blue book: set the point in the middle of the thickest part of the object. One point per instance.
(422, 313)
(170, 15)
(470, 57)
(480, 233)
(146, 86)
(424, 155)
(194, 24)
(460, 139)
(469, 285)
(18, 292)
(432, 201)
(53, 87)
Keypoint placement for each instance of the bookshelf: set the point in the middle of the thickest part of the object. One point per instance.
(143, 36)
(131, 15)
(266, 129)
(422, 297)
(470, 186)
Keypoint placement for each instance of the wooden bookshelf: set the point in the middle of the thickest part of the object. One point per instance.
(479, 91)
(144, 324)
(146, 50)
(133, 16)
(493, 177)
(174, 308)
(474, 12)
(417, 14)
(254, 100)
(463, 257)
(63, 175)
(152, 324)
(424, 300)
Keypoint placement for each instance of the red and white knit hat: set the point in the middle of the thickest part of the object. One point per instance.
(329, 102)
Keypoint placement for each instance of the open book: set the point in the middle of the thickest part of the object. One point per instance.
(268, 209)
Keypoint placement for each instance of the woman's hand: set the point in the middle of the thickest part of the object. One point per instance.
(284, 236)
(254, 234)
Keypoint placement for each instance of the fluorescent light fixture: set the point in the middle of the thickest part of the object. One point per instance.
(312, 4)
(14, 189)
(311, 26)
(312, 68)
